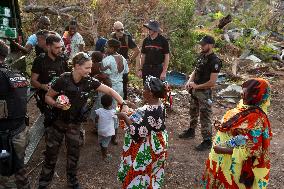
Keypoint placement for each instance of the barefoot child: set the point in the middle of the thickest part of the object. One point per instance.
(146, 140)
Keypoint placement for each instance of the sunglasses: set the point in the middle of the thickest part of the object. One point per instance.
(84, 58)
(119, 30)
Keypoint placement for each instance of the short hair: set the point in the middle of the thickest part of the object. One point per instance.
(4, 49)
(106, 101)
(73, 23)
(42, 33)
(113, 43)
(52, 39)
(97, 56)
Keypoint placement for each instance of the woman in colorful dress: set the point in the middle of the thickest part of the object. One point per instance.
(240, 155)
(146, 141)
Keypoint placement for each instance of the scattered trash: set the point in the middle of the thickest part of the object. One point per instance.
(176, 79)
(221, 78)
(245, 54)
(253, 58)
(232, 90)
(234, 34)
(184, 92)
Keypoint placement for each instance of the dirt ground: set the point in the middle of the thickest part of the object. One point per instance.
(184, 166)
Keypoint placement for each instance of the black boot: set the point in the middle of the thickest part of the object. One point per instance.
(205, 145)
(190, 133)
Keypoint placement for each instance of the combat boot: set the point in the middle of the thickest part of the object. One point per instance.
(190, 133)
(205, 145)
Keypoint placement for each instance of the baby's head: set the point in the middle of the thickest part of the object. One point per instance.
(106, 101)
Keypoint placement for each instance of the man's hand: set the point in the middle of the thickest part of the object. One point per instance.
(121, 115)
(193, 85)
(45, 87)
(163, 76)
(187, 86)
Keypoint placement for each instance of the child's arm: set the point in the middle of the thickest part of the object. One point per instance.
(104, 68)
(123, 116)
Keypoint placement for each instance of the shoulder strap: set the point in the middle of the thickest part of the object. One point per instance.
(126, 40)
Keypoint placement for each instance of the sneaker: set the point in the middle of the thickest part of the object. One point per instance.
(190, 133)
(205, 145)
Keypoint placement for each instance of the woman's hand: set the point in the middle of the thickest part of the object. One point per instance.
(131, 104)
(222, 150)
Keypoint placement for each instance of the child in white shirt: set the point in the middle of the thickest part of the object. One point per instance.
(104, 120)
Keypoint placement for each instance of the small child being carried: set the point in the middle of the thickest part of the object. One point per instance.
(104, 120)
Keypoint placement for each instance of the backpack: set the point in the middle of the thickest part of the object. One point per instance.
(14, 103)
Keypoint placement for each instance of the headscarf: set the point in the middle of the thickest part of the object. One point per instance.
(257, 93)
(156, 86)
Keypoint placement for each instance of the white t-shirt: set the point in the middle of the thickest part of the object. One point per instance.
(106, 122)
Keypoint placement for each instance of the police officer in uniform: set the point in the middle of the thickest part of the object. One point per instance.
(200, 84)
(126, 43)
(46, 68)
(13, 130)
(76, 86)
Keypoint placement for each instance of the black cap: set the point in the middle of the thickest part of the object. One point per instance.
(207, 40)
(153, 25)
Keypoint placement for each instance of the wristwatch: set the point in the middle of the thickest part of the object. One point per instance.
(123, 103)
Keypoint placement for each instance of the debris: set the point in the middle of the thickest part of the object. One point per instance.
(245, 54)
(224, 21)
(184, 92)
(221, 78)
(176, 79)
(253, 58)
(232, 90)
(234, 34)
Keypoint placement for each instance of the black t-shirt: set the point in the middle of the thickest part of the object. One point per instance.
(155, 50)
(48, 69)
(125, 46)
(205, 66)
(77, 93)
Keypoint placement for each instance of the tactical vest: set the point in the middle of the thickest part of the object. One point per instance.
(16, 98)
(78, 96)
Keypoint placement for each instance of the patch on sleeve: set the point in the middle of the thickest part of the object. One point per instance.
(216, 66)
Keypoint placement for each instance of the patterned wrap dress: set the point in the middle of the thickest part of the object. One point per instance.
(249, 165)
(145, 149)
